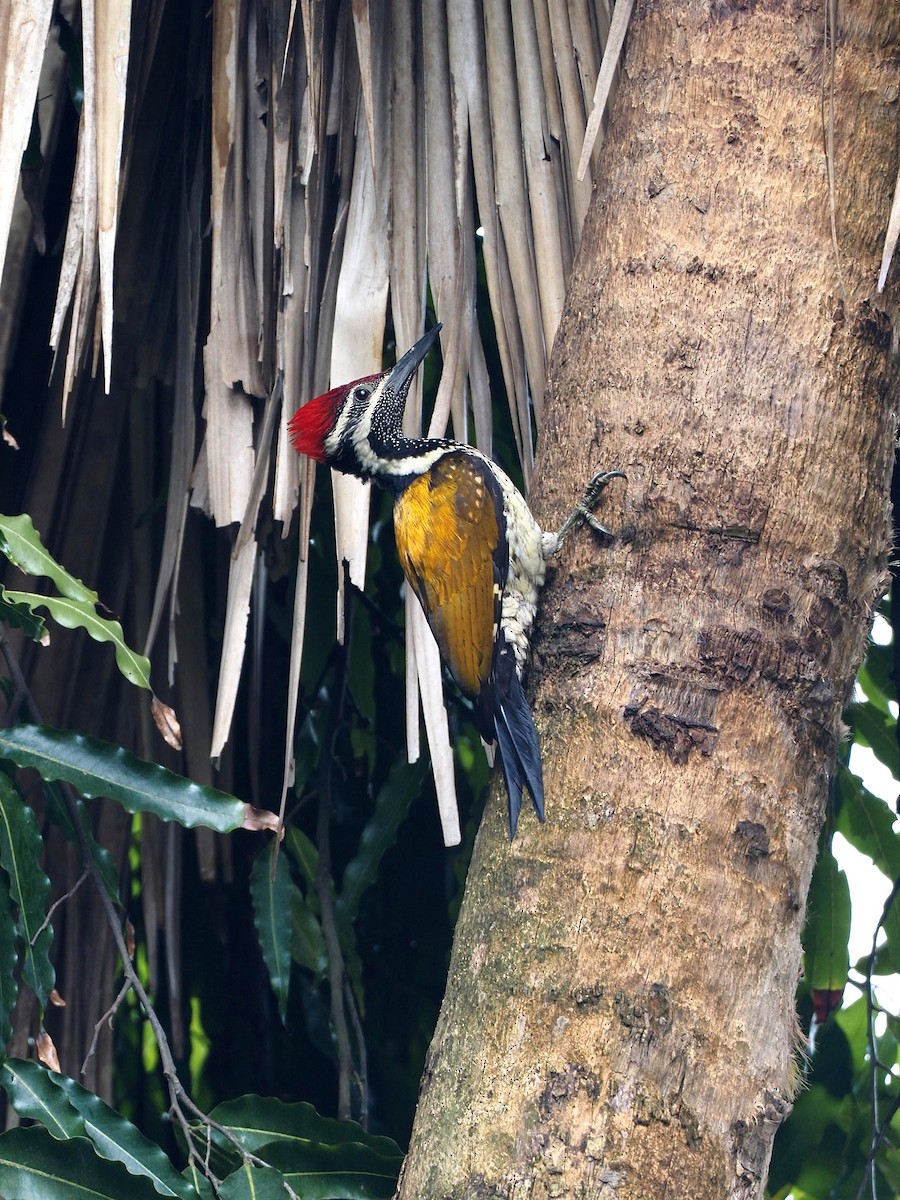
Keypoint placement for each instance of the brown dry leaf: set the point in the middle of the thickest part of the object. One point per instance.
(7, 436)
(166, 721)
(129, 939)
(261, 818)
(46, 1051)
(56, 999)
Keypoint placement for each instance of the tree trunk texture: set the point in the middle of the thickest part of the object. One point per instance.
(619, 1018)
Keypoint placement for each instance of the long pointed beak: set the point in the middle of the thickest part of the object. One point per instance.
(399, 376)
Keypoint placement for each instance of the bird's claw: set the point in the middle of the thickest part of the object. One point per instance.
(582, 515)
(597, 526)
(591, 495)
(594, 489)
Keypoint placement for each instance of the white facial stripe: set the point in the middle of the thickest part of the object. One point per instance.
(355, 414)
(415, 464)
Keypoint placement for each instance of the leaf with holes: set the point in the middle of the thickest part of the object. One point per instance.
(20, 616)
(81, 614)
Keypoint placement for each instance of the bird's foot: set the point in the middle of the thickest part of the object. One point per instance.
(582, 513)
(592, 494)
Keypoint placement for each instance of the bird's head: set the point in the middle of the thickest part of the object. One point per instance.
(357, 427)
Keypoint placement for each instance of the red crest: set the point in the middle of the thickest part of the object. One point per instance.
(310, 425)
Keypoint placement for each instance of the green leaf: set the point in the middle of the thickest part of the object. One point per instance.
(868, 824)
(348, 1170)
(878, 730)
(259, 1120)
(69, 1110)
(304, 853)
(81, 614)
(827, 926)
(116, 1139)
(33, 1094)
(253, 1183)
(391, 807)
(29, 888)
(874, 676)
(22, 545)
(9, 956)
(98, 768)
(272, 901)
(199, 1182)
(35, 1166)
(58, 812)
(307, 939)
(20, 616)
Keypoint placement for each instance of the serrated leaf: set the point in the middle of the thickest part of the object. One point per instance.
(826, 960)
(20, 616)
(68, 1110)
(35, 1166)
(98, 768)
(81, 614)
(307, 939)
(349, 1170)
(22, 545)
(380, 833)
(253, 1183)
(29, 888)
(272, 900)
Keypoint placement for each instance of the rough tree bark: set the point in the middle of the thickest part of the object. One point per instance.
(619, 1019)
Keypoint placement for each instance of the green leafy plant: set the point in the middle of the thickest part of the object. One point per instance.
(78, 1144)
(842, 1138)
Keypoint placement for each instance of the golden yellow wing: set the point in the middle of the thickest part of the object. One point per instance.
(448, 524)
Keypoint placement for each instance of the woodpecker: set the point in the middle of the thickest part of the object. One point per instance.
(468, 544)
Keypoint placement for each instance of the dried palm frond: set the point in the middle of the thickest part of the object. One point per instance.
(352, 149)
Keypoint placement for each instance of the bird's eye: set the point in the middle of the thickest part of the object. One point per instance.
(362, 393)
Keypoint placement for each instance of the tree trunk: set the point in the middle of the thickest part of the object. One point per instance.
(619, 1018)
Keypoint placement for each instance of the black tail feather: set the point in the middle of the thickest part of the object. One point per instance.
(520, 754)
